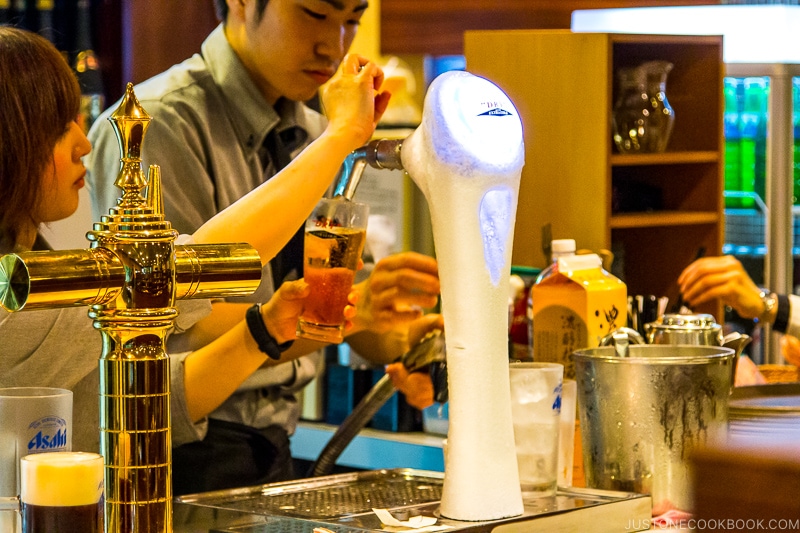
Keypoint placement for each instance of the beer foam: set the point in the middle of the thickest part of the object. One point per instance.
(61, 479)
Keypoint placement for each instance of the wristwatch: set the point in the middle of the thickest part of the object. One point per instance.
(768, 300)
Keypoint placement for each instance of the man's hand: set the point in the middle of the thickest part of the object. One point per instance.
(352, 99)
(416, 386)
(790, 348)
(397, 291)
(281, 312)
(725, 278)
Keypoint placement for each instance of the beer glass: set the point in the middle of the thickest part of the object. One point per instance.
(334, 239)
(59, 491)
(32, 420)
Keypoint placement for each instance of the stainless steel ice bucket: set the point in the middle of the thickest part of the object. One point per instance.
(642, 415)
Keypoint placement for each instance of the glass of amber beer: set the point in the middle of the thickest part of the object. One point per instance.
(62, 491)
(334, 239)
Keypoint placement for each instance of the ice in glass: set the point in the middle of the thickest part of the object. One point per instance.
(536, 415)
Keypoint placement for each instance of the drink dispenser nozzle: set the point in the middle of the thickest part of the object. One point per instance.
(380, 153)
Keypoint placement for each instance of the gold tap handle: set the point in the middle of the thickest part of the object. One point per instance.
(130, 122)
(155, 198)
(216, 270)
(44, 280)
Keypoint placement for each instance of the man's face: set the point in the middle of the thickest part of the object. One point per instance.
(297, 45)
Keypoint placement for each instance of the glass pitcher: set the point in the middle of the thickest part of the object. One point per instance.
(642, 117)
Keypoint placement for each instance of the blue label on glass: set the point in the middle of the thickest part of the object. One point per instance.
(49, 433)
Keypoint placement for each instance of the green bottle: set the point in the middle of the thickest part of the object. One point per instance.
(796, 122)
(753, 143)
(733, 139)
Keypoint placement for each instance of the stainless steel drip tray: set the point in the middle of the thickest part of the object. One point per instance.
(344, 502)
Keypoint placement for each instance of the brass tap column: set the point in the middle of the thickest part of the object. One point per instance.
(130, 277)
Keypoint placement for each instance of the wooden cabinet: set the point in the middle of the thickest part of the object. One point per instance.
(437, 28)
(563, 85)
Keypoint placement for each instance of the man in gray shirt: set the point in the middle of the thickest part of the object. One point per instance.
(224, 121)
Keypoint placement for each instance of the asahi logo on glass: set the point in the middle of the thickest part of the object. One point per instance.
(48, 433)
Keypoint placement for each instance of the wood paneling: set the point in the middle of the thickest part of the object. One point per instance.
(180, 26)
(437, 27)
(138, 39)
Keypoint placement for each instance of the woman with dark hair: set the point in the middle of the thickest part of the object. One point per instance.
(41, 172)
(39, 99)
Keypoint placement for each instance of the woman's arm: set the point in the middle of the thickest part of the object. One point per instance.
(213, 372)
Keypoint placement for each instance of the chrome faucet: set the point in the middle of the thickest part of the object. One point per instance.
(380, 154)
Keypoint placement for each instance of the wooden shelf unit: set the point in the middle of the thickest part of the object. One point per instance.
(563, 85)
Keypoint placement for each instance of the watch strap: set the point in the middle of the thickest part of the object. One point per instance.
(782, 315)
(258, 330)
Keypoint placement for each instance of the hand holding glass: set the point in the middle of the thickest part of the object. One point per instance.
(334, 239)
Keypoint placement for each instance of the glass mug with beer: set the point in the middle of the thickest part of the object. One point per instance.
(59, 491)
(334, 239)
(32, 420)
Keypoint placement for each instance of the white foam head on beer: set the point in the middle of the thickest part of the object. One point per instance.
(61, 479)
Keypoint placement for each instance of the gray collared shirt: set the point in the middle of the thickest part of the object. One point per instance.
(209, 122)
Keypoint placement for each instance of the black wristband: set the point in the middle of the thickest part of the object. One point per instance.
(266, 342)
(782, 314)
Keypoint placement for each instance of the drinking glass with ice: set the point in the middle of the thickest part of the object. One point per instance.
(536, 414)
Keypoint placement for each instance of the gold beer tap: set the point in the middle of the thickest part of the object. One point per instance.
(130, 278)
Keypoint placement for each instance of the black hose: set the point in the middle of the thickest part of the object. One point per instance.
(370, 404)
(430, 351)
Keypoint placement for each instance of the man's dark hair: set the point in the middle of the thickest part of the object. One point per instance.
(222, 8)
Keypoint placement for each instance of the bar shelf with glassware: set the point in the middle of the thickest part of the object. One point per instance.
(663, 219)
(653, 210)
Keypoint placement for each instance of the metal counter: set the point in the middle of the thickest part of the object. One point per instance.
(344, 502)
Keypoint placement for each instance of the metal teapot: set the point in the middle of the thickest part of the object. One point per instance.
(697, 330)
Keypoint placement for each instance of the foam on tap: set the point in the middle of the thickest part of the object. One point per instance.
(466, 157)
